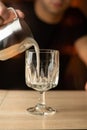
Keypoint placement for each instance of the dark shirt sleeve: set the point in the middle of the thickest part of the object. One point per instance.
(76, 23)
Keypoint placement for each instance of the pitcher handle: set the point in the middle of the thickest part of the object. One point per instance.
(11, 9)
(12, 16)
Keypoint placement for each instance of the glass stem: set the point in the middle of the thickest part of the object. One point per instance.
(42, 98)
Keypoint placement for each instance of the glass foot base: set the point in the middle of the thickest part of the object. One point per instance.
(41, 109)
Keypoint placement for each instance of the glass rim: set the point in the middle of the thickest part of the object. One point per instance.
(43, 50)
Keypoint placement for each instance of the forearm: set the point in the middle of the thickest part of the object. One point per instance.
(81, 48)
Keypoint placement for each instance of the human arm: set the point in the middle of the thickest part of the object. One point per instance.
(81, 48)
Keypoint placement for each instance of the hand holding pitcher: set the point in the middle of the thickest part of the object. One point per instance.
(15, 36)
